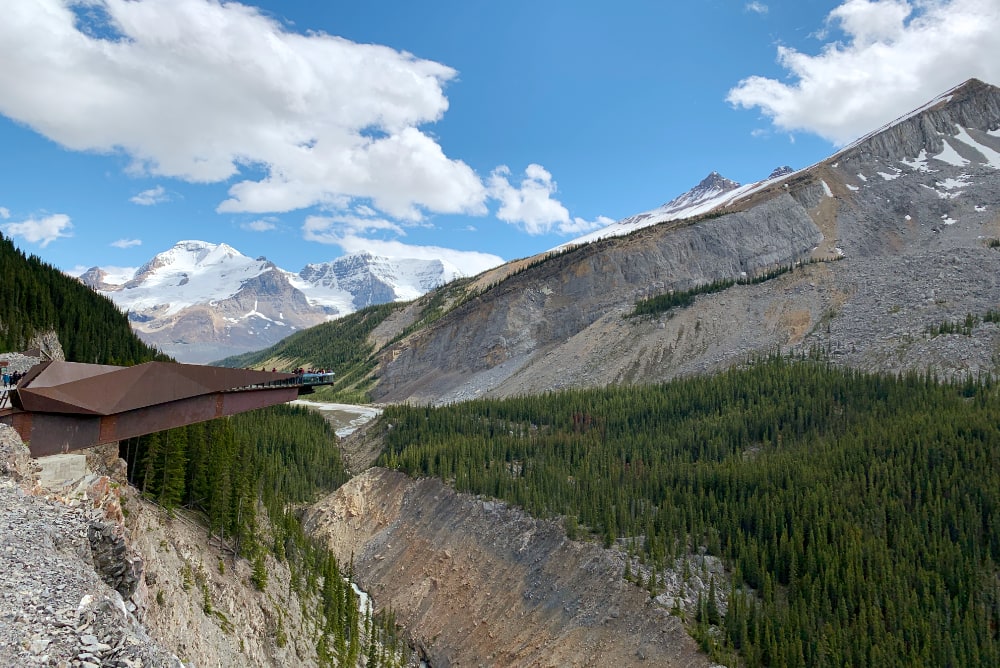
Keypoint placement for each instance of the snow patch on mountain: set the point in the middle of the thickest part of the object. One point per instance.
(951, 156)
(918, 164)
(991, 157)
(201, 301)
(192, 272)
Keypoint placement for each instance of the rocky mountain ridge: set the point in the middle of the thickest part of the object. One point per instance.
(200, 301)
(889, 238)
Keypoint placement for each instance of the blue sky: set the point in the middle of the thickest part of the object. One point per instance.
(466, 130)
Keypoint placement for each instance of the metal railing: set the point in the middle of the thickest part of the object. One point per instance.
(298, 380)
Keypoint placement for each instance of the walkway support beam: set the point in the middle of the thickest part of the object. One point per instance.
(62, 406)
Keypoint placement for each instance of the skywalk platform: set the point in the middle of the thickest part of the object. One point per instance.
(59, 407)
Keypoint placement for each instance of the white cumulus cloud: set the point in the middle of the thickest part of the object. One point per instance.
(757, 7)
(42, 231)
(469, 263)
(150, 197)
(126, 243)
(894, 56)
(334, 229)
(259, 225)
(530, 204)
(4, 212)
(206, 91)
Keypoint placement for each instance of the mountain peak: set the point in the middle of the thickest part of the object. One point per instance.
(934, 127)
(714, 181)
(710, 187)
(779, 171)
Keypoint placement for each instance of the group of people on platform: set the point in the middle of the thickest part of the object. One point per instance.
(319, 372)
(12, 378)
(301, 372)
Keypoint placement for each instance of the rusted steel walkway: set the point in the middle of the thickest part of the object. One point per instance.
(63, 406)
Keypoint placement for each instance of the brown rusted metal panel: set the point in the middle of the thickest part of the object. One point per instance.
(50, 433)
(56, 434)
(158, 418)
(64, 406)
(91, 389)
(241, 402)
(109, 427)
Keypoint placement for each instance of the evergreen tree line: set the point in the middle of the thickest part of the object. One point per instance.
(276, 458)
(36, 297)
(859, 514)
(683, 298)
(965, 326)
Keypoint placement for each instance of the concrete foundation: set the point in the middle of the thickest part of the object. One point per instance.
(60, 468)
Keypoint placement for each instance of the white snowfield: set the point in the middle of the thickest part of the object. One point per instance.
(199, 272)
(192, 272)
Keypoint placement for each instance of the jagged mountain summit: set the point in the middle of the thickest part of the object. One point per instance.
(200, 301)
(370, 279)
(893, 240)
(702, 198)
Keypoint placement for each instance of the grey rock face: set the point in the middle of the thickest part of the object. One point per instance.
(898, 227)
(974, 105)
(112, 560)
(560, 297)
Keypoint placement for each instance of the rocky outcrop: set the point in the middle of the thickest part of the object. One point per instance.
(202, 603)
(54, 607)
(475, 582)
(112, 559)
(86, 586)
(515, 324)
(898, 234)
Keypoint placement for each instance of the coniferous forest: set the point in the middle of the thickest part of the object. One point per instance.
(859, 514)
(36, 297)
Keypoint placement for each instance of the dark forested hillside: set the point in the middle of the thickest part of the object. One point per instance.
(36, 297)
(860, 512)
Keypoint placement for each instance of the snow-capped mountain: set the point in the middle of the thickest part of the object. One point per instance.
(713, 190)
(200, 301)
(953, 141)
(364, 279)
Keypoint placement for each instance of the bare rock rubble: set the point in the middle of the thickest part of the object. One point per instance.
(55, 608)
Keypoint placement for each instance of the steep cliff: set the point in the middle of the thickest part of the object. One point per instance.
(894, 232)
(475, 582)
